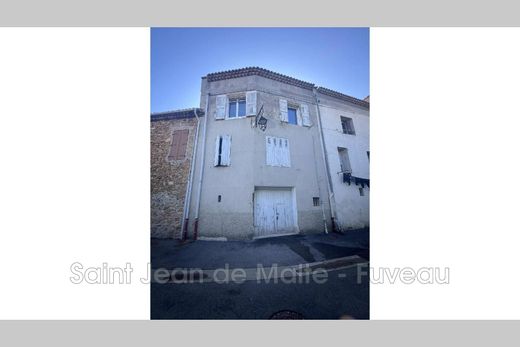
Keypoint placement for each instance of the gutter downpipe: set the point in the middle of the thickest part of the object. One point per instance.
(187, 201)
(196, 226)
(319, 189)
(326, 161)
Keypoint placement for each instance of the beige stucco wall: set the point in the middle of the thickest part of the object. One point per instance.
(352, 210)
(233, 216)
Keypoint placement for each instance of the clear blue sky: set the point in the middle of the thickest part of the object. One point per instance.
(336, 58)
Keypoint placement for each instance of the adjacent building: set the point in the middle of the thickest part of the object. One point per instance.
(272, 155)
(172, 136)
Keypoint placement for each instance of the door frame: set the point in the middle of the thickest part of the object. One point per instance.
(294, 210)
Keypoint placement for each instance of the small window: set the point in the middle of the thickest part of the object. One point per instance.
(361, 192)
(368, 155)
(347, 125)
(219, 198)
(237, 108)
(316, 201)
(292, 117)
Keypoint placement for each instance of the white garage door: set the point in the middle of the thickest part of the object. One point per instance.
(274, 213)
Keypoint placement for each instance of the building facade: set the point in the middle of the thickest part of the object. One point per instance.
(345, 129)
(273, 155)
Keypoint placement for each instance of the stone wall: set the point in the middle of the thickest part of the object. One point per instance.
(169, 177)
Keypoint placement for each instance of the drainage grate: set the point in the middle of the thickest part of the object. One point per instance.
(286, 314)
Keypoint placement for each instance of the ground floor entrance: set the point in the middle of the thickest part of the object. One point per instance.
(274, 212)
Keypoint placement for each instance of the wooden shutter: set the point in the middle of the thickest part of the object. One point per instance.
(251, 103)
(283, 111)
(286, 157)
(299, 117)
(269, 155)
(305, 115)
(221, 107)
(217, 151)
(225, 156)
(179, 143)
(344, 160)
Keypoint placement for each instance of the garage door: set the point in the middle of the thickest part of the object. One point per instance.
(274, 213)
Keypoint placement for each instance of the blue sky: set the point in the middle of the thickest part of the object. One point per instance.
(336, 58)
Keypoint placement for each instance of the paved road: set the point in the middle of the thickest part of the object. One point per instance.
(340, 294)
(285, 250)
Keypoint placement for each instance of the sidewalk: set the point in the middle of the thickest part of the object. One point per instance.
(283, 251)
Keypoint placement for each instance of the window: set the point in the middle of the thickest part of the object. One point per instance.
(344, 160)
(368, 155)
(277, 151)
(361, 192)
(179, 142)
(348, 126)
(297, 114)
(219, 199)
(292, 117)
(316, 201)
(237, 108)
(223, 151)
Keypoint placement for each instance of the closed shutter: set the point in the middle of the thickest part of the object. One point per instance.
(179, 143)
(283, 111)
(183, 142)
(286, 158)
(217, 150)
(225, 157)
(277, 151)
(221, 108)
(251, 104)
(269, 150)
(305, 115)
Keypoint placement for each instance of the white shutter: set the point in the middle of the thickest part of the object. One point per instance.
(298, 117)
(222, 104)
(283, 111)
(276, 152)
(225, 158)
(286, 158)
(305, 115)
(217, 145)
(251, 104)
(269, 150)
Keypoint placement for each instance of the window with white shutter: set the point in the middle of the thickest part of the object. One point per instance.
(223, 150)
(299, 116)
(283, 110)
(221, 107)
(305, 115)
(251, 103)
(277, 152)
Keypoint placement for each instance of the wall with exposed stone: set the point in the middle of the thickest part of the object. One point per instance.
(169, 177)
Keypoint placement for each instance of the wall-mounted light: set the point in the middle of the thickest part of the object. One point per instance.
(262, 122)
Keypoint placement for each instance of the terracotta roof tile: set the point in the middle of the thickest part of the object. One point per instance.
(176, 114)
(344, 97)
(252, 71)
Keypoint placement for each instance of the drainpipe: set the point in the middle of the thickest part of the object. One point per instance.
(326, 161)
(187, 201)
(197, 206)
(319, 189)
